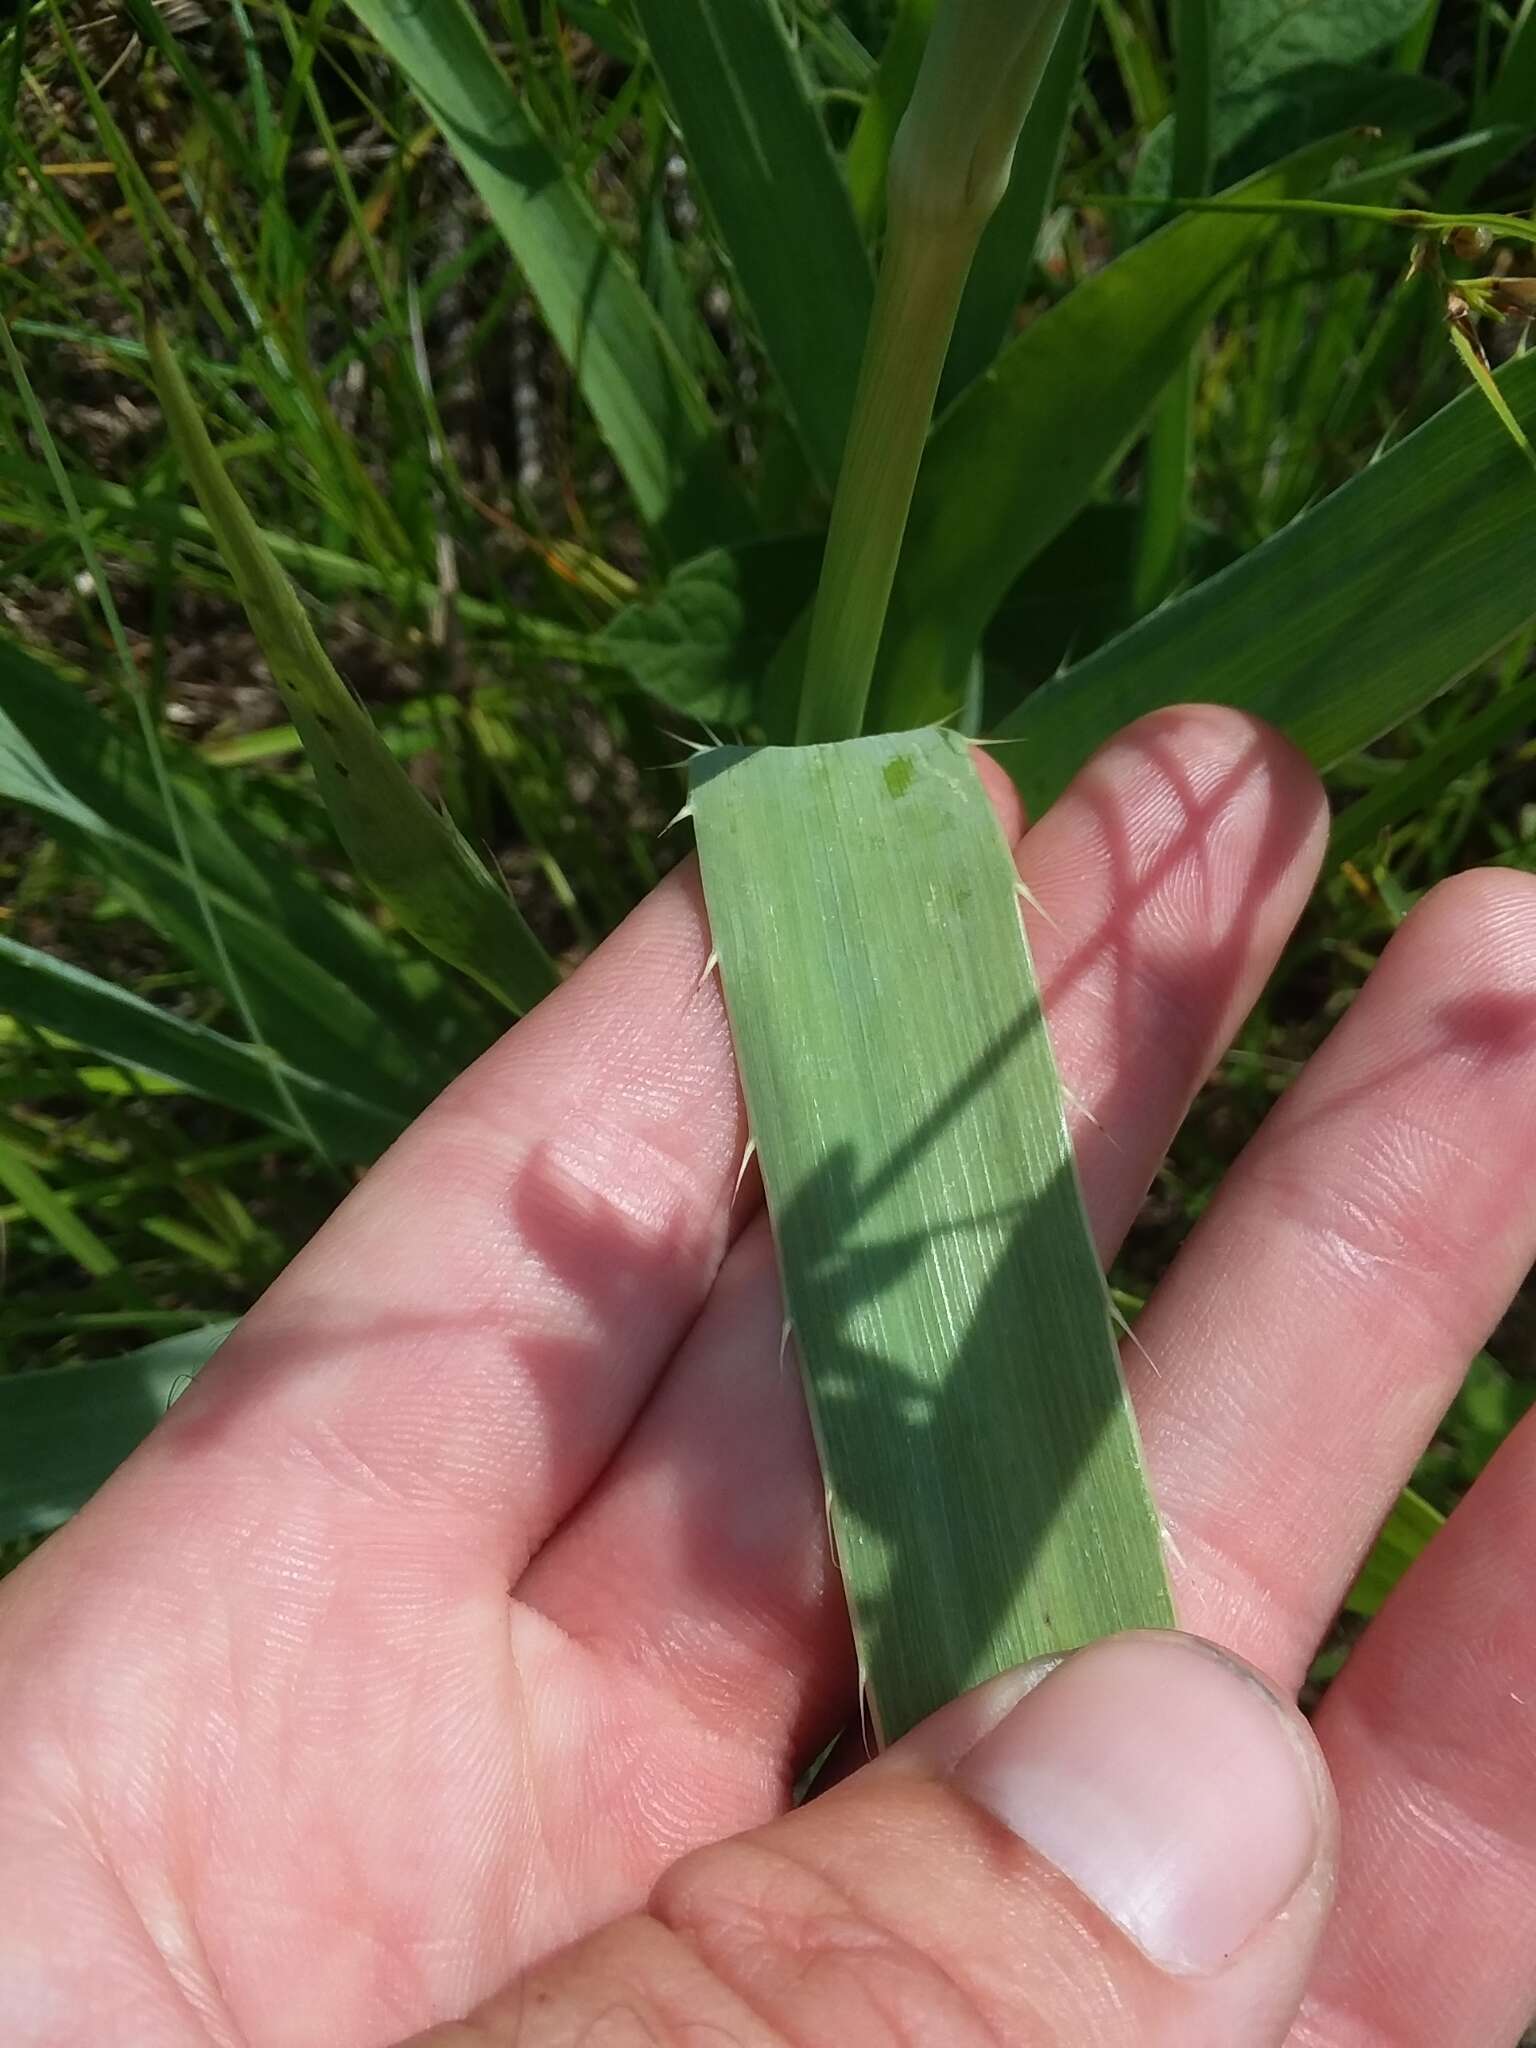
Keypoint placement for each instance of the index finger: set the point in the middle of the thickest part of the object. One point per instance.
(477, 1325)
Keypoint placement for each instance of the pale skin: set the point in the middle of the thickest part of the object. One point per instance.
(435, 1655)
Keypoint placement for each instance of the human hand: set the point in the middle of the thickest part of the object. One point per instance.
(467, 1624)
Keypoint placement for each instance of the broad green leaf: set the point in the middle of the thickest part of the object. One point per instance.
(760, 155)
(701, 642)
(982, 1466)
(1288, 74)
(412, 856)
(56, 996)
(1404, 1535)
(1020, 453)
(1262, 39)
(1305, 106)
(64, 1429)
(329, 998)
(651, 411)
(1339, 627)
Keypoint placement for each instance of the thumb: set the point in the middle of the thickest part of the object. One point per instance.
(1133, 1846)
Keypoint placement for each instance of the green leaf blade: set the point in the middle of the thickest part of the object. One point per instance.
(759, 151)
(65, 1429)
(1342, 625)
(55, 996)
(410, 855)
(982, 1463)
(651, 411)
(329, 999)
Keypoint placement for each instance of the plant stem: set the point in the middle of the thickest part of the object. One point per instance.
(916, 299)
(949, 166)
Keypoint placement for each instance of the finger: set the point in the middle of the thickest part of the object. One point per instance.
(1136, 1851)
(475, 1329)
(1171, 872)
(1431, 1731)
(1314, 1329)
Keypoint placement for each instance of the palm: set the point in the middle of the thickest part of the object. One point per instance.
(282, 1765)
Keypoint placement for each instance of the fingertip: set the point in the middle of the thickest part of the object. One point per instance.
(1212, 750)
(1004, 792)
(1480, 915)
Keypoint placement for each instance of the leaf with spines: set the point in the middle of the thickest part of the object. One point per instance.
(982, 1464)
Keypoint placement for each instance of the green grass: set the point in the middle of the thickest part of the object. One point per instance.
(534, 559)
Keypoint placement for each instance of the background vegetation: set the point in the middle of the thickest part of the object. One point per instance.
(208, 1025)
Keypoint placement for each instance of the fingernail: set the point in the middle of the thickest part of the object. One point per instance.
(1168, 1784)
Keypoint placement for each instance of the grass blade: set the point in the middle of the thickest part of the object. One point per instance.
(1508, 109)
(651, 411)
(982, 1464)
(56, 996)
(1416, 784)
(760, 153)
(332, 1000)
(65, 1429)
(1472, 358)
(1342, 625)
(1168, 460)
(999, 479)
(162, 520)
(1405, 1534)
(70, 1232)
(412, 856)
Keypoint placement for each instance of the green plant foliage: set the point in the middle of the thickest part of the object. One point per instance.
(1288, 75)
(533, 360)
(87, 1011)
(411, 856)
(760, 151)
(66, 1429)
(713, 626)
(1339, 627)
(1403, 1537)
(331, 1000)
(983, 1472)
(1001, 476)
(652, 413)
